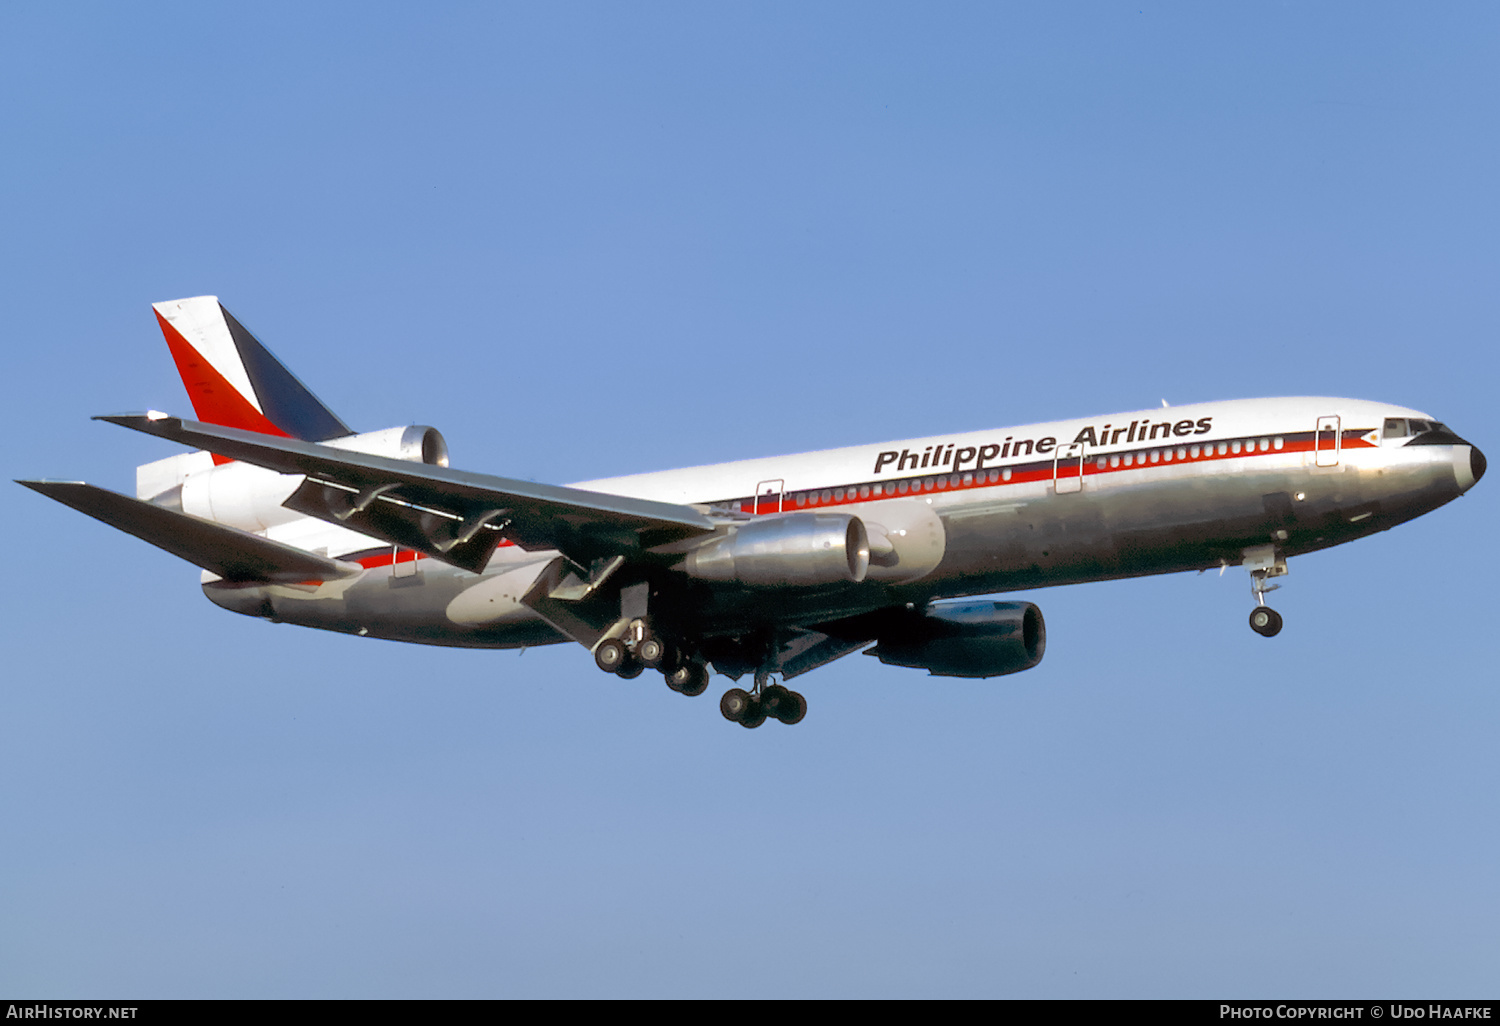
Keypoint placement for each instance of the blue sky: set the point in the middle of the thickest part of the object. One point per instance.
(593, 239)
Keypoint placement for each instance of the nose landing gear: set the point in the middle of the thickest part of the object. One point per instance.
(1264, 563)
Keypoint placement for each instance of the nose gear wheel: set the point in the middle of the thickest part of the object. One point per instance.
(1265, 621)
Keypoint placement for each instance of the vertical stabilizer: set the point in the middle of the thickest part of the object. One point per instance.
(233, 380)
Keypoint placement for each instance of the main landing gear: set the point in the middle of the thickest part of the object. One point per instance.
(752, 708)
(635, 649)
(638, 650)
(1264, 564)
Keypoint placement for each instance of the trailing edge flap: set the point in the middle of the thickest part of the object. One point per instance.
(233, 554)
(451, 515)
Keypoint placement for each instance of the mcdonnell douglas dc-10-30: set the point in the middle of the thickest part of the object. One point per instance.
(769, 567)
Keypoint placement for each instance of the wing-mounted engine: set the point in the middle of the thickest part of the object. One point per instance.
(966, 638)
(252, 498)
(787, 549)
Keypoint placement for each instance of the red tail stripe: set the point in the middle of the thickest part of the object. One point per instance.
(214, 399)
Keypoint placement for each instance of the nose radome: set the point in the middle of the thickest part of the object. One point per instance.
(1476, 462)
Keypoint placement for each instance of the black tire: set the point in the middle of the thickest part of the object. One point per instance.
(1265, 621)
(755, 716)
(610, 655)
(774, 699)
(793, 709)
(698, 684)
(734, 704)
(688, 679)
(632, 669)
(653, 652)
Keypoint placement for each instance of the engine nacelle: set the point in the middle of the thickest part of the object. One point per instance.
(967, 638)
(787, 549)
(249, 497)
(416, 443)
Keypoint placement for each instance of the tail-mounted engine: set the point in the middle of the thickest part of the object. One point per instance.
(966, 638)
(790, 549)
(416, 443)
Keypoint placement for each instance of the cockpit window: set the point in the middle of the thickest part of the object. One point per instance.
(1397, 427)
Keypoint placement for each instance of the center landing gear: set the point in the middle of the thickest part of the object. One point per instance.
(751, 708)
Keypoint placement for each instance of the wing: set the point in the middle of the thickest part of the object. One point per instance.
(233, 554)
(451, 515)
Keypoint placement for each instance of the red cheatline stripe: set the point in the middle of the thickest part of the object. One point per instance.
(1043, 471)
(384, 559)
(214, 399)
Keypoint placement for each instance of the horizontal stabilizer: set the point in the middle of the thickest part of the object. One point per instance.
(233, 554)
(451, 515)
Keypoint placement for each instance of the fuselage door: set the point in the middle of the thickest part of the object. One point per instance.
(1067, 467)
(1326, 442)
(768, 496)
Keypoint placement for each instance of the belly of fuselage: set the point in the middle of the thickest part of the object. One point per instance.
(1165, 520)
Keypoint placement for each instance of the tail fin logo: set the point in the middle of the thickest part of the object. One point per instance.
(233, 380)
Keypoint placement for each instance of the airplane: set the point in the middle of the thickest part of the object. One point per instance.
(768, 567)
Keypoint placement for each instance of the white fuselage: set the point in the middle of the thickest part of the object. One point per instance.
(1154, 491)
